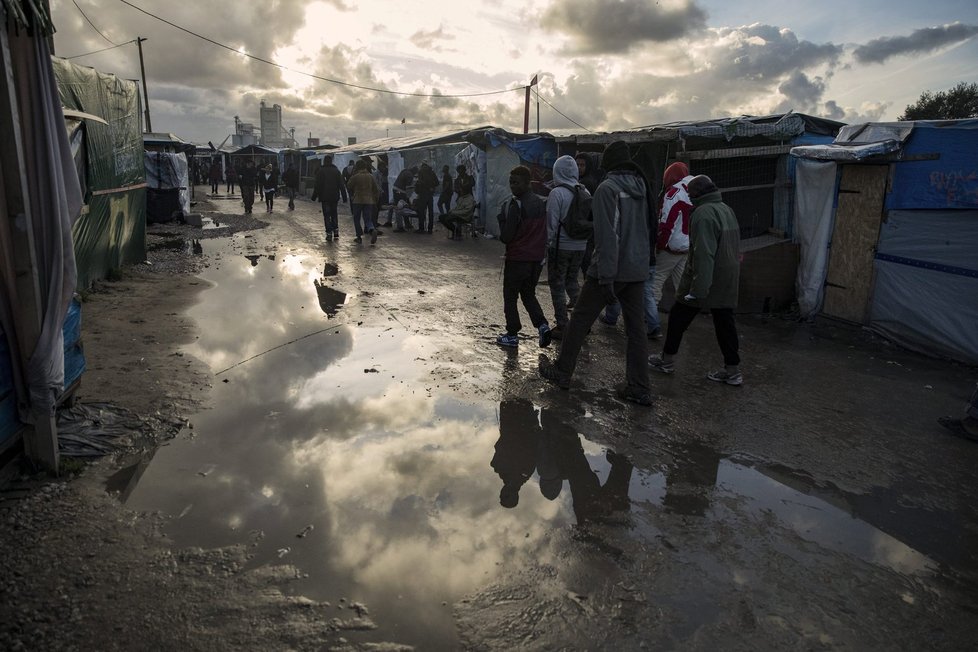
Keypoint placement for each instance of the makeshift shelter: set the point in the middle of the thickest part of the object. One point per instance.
(111, 231)
(492, 154)
(40, 202)
(887, 218)
(168, 187)
(747, 157)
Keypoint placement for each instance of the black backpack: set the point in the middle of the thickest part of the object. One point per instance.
(578, 223)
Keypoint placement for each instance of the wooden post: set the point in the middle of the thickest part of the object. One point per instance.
(16, 220)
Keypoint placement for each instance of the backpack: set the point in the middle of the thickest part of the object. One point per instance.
(578, 223)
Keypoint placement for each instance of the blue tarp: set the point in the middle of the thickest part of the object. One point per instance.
(948, 181)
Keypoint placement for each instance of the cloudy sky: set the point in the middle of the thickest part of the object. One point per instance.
(602, 64)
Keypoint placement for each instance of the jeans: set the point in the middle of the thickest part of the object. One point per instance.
(563, 272)
(364, 211)
(587, 309)
(683, 314)
(330, 216)
(667, 265)
(652, 322)
(520, 282)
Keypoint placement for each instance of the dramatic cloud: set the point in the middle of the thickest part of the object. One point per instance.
(598, 26)
(921, 40)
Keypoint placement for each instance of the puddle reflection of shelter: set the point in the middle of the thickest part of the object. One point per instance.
(330, 300)
(691, 479)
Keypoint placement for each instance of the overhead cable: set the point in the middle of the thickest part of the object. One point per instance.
(540, 97)
(78, 56)
(93, 24)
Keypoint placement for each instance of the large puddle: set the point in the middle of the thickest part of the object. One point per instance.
(327, 450)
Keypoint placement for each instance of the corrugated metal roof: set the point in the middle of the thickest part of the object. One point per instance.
(405, 142)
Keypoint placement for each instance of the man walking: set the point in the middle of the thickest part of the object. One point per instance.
(710, 280)
(617, 274)
(523, 229)
(363, 198)
(247, 183)
(291, 181)
(564, 253)
(328, 188)
(672, 245)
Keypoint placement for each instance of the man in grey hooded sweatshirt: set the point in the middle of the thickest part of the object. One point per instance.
(564, 253)
(617, 274)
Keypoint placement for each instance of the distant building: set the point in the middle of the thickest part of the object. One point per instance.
(312, 142)
(244, 134)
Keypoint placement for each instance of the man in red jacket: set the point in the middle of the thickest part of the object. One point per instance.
(523, 229)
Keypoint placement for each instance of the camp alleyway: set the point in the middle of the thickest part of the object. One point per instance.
(348, 423)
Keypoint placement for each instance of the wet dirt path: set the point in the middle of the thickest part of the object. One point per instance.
(365, 430)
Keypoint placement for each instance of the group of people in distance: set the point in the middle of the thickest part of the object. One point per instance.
(363, 186)
(263, 181)
(688, 234)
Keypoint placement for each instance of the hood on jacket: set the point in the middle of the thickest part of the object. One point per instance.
(674, 174)
(565, 171)
(627, 181)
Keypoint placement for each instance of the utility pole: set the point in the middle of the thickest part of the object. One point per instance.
(526, 107)
(142, 69)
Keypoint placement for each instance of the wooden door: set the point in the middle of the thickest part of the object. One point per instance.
(849, 281)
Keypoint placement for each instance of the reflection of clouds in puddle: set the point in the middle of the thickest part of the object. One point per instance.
(418, 511)
(898, 556)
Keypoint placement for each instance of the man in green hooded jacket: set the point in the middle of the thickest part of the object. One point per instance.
(710, 280)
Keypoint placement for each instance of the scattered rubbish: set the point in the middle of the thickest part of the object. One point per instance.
(225, 381)
(422, 292)
(206, 470)
(95, 429)
(186, 510)
(306, 530)
(928, 387)
(371, 371)
(283, 551)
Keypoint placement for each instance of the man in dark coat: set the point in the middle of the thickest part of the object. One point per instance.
(710, 280)
(291, 181)
(329, 187)
(425, 186)
(247, 182)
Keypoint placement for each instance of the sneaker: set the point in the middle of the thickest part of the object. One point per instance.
(634, 395)
(508, 340)
(373, 236)
(549, 372)
(336, 235)
(329, 237)
(656, 334)
(658, 364)
(545, 335)
(358, 240)
(723, 376)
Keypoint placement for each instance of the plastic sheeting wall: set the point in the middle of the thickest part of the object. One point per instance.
(169, 171)
(926, 294)
(814, 219)
(113, 230)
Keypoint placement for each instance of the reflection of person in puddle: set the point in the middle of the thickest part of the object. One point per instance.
(562, 445)
(516, 448)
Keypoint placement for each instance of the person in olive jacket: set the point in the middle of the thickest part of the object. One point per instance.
(710, 280)
(363, 198)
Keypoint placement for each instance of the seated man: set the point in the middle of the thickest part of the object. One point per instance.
(460, 215)
(402, 215)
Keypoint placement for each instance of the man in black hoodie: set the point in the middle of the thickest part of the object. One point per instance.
(328, 189)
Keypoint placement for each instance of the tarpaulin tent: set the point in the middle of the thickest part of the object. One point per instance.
(41, 199)
(504, 151)
(888, 224)
(111, 231)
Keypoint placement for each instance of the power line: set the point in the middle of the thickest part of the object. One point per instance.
(93, 25)
(78, 56)
(540, 97)
(301, 72)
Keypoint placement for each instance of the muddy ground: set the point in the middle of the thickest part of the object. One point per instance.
(819, 506)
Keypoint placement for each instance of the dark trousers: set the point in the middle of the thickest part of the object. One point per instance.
(330, 219)
(589, 304)
(682, 315)
(291, 192)
(520, 282)
(426, 206)
(248, 197)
